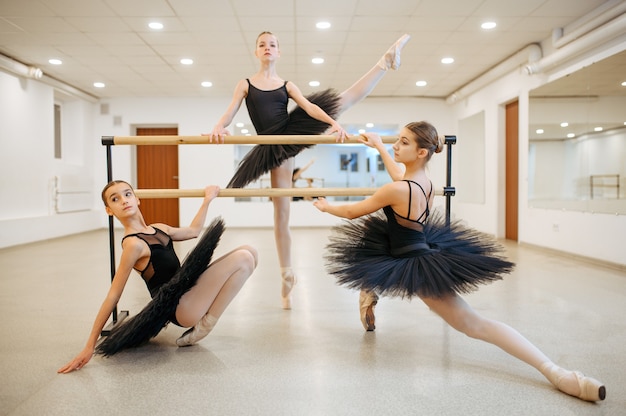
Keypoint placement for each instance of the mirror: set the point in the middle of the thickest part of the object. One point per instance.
(577, 140)
(332, 166)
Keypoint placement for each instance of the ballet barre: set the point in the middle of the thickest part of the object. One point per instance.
(259, 192)
(109, 141)
(269, 139)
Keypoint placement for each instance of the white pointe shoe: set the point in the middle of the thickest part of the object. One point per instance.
(367, 301)
(197, 332)
(590, 389)
(288, 282)
(391, 58)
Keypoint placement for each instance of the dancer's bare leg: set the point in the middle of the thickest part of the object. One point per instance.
(281, 178)
(217, 286)
(364, 86)
(458, 314)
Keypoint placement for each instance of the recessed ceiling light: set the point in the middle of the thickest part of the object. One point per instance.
(314, 84)
(571, 135)
(186, 61)
(564, 124)
(369, 125)
(207, 84)
(488, 25)
(597, 129)
(54, 61)
(421, 83)
(361, 131)
(245, 131)
(539, 131)
(447, 60)
(322, 25)
(317, 60)
(99, 84)
(624, 84)
(155, 25)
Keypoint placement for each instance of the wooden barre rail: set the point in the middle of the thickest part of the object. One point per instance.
(258, 192)
(269, 139)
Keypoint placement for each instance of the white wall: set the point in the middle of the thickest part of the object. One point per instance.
(28, 166)
(588, 234)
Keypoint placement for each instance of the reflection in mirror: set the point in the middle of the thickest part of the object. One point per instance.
(577, 140)
(332, 165)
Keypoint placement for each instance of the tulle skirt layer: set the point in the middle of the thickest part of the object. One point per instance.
(153, 317)
(265, 157)
(455, 259)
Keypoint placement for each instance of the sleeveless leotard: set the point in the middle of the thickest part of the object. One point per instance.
(163, 263)
(268, 109)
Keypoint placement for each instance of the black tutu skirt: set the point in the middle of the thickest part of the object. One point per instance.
(155, 315)
(456, 259)
(265, 157)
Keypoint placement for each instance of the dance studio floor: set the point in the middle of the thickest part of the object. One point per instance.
(315, 359)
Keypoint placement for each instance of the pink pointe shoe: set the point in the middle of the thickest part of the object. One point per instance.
(391, 58)
(288, 282)
(197, 332)
(367, 301)
(590, 389)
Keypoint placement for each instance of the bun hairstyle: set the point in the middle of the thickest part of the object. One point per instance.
(110, 184)
(427, 137)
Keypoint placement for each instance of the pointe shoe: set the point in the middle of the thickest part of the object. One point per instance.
(391, 58)
(367, 301)
(590, 389)
(197, 332)
(288, 282)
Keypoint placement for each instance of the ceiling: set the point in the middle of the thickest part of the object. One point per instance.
(109, 41)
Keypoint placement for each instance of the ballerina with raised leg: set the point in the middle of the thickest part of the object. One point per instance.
(267, 96)
(409, 251)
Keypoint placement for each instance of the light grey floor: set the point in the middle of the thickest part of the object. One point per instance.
(315, 359)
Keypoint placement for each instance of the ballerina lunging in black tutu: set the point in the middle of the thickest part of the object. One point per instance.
(409, 251)
(267, 96)
(194, 294)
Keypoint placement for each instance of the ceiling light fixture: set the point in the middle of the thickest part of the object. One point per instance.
(564, 124)
(488, 25)
(322, 25)
(421, 83)
(206, 84)
(155, 25)
(99, 84)
(447, 60)
(186, 61)
(317, 61)
(539, 131)
(55, 61)
(314, 83)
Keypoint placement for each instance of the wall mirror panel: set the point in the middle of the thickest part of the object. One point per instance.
(332, 166)
(577, 140)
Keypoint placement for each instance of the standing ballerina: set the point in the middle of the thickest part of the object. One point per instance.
(409, 251)
(193, 295)
(267, 96)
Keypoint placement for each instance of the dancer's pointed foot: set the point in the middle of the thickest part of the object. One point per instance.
(391, 58)
(197, 332)
(288, 282)
(574, 383)
(367, 302)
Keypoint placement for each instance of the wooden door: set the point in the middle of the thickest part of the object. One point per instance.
(157, 168)
(512, 171)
